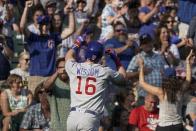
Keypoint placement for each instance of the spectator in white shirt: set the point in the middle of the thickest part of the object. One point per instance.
(23, 65)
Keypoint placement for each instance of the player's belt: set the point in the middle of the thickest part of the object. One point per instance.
(85, 111)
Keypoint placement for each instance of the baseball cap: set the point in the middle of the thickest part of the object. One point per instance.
(94, 51)
(50, 3)
(145, 38)
(170, 72)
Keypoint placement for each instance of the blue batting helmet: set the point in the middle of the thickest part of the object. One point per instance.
(94, 51)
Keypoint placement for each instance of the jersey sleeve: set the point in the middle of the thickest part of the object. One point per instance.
(133, 117)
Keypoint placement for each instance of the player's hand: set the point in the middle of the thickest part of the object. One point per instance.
(111, 52)
(114, 57)
(80, 40)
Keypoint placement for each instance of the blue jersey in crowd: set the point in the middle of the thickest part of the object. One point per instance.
(125, 57)
(42, 54)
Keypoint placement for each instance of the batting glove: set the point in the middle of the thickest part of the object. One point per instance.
(80, 40)
(114, 57)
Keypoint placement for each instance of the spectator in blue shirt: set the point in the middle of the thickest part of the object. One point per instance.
(42, 43)
(148, 16)
(124, 48)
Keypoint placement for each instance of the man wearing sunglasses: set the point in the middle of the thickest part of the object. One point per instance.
(124, 47)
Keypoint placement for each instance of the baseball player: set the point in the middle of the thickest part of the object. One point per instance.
(88, 81)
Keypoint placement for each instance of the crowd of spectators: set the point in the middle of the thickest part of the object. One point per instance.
(149, 38)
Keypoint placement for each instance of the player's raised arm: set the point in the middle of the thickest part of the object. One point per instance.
(116, 60)
(77, 43)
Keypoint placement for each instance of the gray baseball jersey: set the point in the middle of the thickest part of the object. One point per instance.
(88, 83)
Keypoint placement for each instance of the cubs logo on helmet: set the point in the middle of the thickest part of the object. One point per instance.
(94, 51)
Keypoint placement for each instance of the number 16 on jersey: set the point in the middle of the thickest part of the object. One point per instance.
(90, 85)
